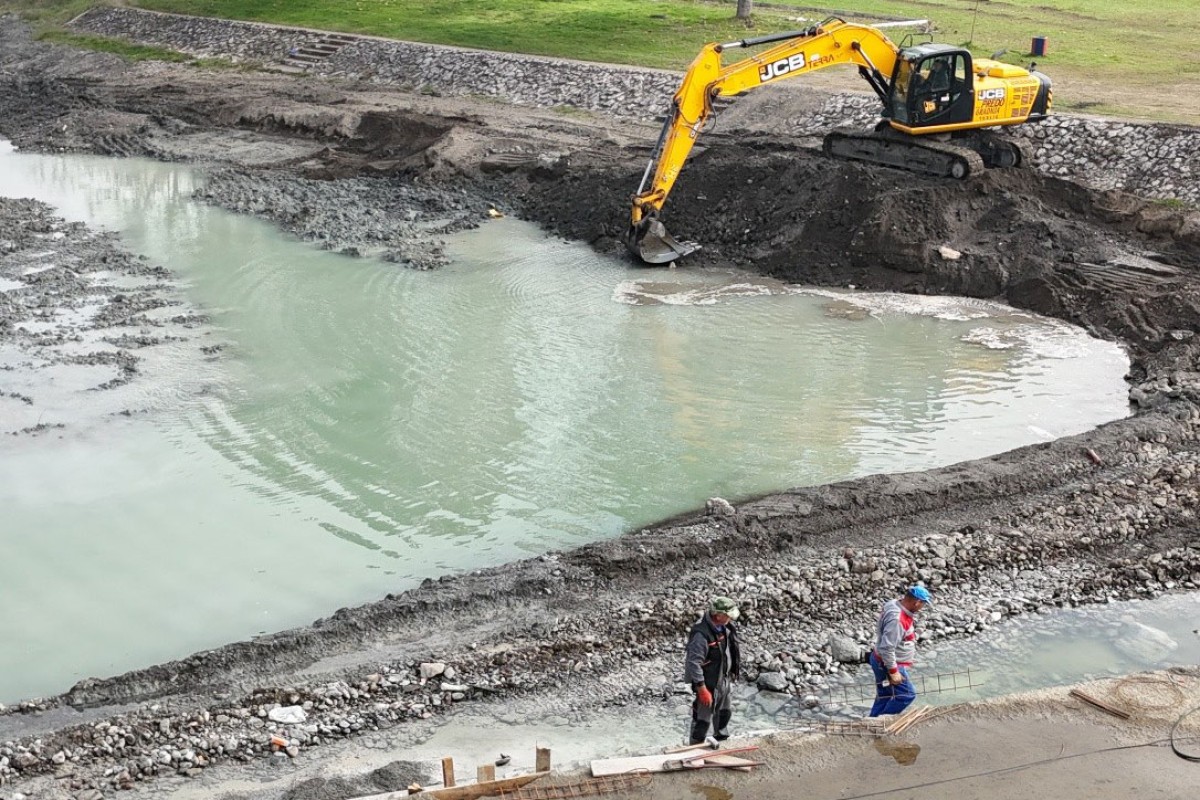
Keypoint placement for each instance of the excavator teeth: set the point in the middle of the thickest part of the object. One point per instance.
(655, 245)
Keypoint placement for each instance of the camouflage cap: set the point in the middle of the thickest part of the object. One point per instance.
(724, 605)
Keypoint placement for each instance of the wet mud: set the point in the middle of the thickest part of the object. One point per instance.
(1107, 514)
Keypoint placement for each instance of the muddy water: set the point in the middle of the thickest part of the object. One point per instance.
(369, 426)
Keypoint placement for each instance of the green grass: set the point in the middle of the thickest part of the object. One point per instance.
(50, 12)
(133, 52)
(1149, 39)
(1171, 202)
(1150, 43)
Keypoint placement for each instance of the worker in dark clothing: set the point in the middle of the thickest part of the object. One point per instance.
(895, 648)
(712, 663)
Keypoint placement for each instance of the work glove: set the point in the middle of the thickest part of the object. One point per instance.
(704, 696)
(896, 678)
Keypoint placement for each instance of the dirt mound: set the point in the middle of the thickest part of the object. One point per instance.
(1038, 242)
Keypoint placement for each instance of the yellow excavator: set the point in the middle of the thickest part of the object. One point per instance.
(937, 101)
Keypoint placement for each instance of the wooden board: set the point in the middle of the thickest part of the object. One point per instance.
(704, 759)
(734, 762)
(663, 762)
(622, 766)
(705, 765)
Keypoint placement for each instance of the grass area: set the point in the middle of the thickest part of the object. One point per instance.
(48, 12)
(1095, 35)
(1151, 43)
(133, 52)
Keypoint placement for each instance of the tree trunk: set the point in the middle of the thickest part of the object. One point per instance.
(744, 9)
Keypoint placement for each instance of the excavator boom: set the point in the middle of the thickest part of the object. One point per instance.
(834, 41)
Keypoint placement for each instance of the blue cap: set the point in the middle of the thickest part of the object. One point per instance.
(920, 593)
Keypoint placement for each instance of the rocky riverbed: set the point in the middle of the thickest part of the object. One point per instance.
(79, 313)
(1109, 514)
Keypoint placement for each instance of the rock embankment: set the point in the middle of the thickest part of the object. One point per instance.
(398, 222)
(1155, 160)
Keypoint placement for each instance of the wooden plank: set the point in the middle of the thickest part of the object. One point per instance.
(485, 773)
(447, 771)
(731, 762)
(683, 748)
(907, 718)
(697, 761)
(703, 764)
(470, 791)
(659, 763)
(542, 764)
(622, 766)
(727, 761)
(1100, 704)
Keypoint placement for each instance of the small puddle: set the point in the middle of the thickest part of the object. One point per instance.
(905, 753)
(712, 792)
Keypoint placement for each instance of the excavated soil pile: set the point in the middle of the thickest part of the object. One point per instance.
(1108, 514)
(1040, 243)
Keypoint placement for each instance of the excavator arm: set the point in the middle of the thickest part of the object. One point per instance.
(831, 42)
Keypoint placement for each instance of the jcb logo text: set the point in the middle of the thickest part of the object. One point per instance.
(777, 69)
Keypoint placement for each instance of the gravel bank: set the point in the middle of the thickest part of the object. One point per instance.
(85, 325)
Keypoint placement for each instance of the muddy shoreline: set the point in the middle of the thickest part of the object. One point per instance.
(1109, 514)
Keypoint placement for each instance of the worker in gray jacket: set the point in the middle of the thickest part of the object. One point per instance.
(895, 648)
(713, 661)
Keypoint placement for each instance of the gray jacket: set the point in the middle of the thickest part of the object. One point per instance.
(896, 636)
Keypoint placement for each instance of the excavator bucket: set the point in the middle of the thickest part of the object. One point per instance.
(651, 243)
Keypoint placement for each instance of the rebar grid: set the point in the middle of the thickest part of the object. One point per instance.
(924, 684)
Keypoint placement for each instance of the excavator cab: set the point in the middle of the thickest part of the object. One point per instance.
(932, 86)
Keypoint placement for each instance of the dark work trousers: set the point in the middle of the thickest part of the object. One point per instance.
(721, 710)
(890, 699)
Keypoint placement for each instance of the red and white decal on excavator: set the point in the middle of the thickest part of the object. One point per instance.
(777, 69)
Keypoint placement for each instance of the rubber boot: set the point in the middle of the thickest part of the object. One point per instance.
(721, 730)
(699, 731)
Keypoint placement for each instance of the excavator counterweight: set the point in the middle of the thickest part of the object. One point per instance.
(938, 104)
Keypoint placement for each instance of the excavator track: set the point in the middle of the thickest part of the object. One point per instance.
(997, 150)
(925, 157)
